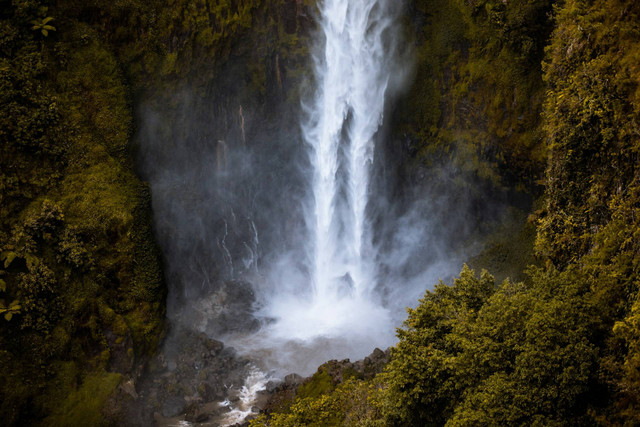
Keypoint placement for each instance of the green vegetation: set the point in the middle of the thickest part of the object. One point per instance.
(81, 287)
(559, 344)
(320, 384)
(476, 101)
(477, 353)
(516, 354)
(512, 95)
(349, 404)
(81, 278)
(84, 405)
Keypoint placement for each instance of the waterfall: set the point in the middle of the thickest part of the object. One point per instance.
(319, 300)
(352, 72)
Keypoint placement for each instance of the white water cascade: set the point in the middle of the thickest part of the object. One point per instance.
(329, 308)
(353, 74)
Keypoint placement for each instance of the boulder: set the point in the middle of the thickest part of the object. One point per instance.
(214, 346)
(195, 413)
(173, 406)
(211, 391)
(293, 380)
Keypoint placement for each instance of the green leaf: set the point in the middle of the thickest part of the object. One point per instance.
(8, 258)
(49, 27)
(32, 260)
(8, 316)
(47, 19)
(45, 32)
(3, 286)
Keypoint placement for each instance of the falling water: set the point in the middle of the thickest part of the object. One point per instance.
(340, 315)
(353, 72)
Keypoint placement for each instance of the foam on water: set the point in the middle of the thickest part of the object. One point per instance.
(254, 384)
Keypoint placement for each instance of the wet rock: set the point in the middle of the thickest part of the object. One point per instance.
(213, 346)
(120, 346)
(130, 388)
(346, 286)
(377, 354)
(186, 387)
(272, 386)
(227, 310)
(200, 373)
(229, 353)
(234, 396)
(173, 406)
(210, 392)
(293, 379)
(195, 413)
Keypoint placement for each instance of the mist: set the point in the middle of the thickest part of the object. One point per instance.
(283, 229)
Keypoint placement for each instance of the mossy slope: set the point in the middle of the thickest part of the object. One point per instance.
(75, 235)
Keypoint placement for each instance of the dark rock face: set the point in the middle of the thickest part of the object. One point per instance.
(214, 346)
(187, 379)
(214, 150)
(173, 406)
(191, 377)
(196, 413)
(366, 368)
(225, 310)
(293, 380)
(217, 150)
(211, 392)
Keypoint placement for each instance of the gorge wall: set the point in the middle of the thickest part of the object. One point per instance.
(515, 115)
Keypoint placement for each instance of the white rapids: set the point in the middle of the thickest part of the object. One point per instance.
(254, 384)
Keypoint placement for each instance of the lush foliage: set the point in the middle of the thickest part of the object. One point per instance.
(501, 87)
(81, 288)
(591, 120)
(476, 101)
(477, 353)
(592, 219)
(522, 354)
(561, 346)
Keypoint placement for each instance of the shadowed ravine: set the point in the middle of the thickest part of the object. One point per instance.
(276, 213)
(319, 294)
(331, 308)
